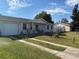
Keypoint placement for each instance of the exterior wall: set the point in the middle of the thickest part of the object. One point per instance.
(8, 28)
(20, 28)
(61, 28)
(45, 29)
(15, 28)
(1, 28)
(50, 29)
(11, 29)
(67, 28)
(41, 27)
(30, 28)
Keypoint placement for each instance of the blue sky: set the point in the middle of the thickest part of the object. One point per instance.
(29, 8)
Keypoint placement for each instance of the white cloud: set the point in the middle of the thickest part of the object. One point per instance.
(56, 10)
(17, 4)
(72, 2)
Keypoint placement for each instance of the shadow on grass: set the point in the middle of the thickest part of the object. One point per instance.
(19, 37)
(60, 35)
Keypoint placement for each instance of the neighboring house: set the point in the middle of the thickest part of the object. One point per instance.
(61, 27)
(14, 26)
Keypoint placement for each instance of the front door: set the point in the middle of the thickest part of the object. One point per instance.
(37, 28)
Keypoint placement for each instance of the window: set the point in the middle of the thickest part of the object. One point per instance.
(48, 27)
(51, 27)
(24, 26)
(37, 27)
(31, 27)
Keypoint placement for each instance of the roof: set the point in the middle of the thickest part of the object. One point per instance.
(9, 18)
(41, 21)
(16, 19)
(38, 21)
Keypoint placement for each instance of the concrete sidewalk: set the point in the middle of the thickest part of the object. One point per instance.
(69, 50)
(50, 43)
(63, 55)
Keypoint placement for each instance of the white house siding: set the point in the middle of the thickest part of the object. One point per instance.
(41, 27)
(67, 28)
(11, 28)
(20, 28)
(33, 30)
(14, 26)
(28, 29)
(61, 28)
(50, 29)
(1, 28)
(8, 28)
(44, 28)
(58, 28)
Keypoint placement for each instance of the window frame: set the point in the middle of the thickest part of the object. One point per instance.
(48, 27)
(24, 27)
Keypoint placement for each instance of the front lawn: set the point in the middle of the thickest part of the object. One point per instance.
(66, 39)
(47, 45)
(16, 50)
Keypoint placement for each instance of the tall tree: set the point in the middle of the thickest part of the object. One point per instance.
(75, 18)
(64, 20)
(45, 16)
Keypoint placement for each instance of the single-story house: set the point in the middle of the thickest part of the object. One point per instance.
(61, 27)
(15, 26)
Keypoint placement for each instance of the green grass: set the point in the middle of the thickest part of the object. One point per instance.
(17, 50)
(64, 40)
(47, 45)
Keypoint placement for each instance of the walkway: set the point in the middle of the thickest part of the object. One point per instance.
(69, 53)
(69, 50)
(50, 43)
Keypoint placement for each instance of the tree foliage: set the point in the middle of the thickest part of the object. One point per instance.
(44, 16)
(64, 20)
(75, 18)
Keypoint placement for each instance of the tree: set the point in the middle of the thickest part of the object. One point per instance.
(64, 20)
(75, 18)
(45, 16)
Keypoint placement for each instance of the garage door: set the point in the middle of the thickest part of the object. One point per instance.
(11, 29)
